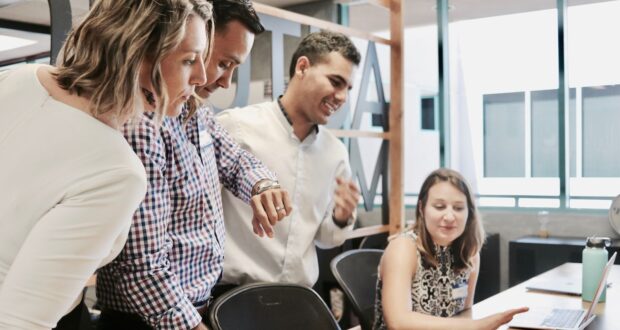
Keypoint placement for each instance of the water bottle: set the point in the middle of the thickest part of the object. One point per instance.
(594, 258)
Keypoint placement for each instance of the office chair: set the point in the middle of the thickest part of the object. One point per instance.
(377, 241)
(356, 271)
(271, 306)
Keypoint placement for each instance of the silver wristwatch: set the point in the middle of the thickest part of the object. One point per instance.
(264, 185)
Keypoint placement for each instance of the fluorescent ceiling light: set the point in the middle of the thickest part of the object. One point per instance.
(8, 43)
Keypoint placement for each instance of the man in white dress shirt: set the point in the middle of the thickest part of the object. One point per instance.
(310, 162)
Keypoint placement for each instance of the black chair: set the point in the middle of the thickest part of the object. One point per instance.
(273, 306)
(356, 271)
(377, 241)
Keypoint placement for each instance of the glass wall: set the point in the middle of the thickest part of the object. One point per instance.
(498, 64)
(594, 72)
(505, 121)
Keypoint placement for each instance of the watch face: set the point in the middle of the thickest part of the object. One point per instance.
(614, 214)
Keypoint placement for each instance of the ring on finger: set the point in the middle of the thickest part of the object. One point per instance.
(279, 208)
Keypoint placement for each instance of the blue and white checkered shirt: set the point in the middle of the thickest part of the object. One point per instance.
(174, 254)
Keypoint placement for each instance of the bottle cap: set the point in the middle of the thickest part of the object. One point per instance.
(598, 242)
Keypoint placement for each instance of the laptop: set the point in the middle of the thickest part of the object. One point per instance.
(569, 286)
(563, 319)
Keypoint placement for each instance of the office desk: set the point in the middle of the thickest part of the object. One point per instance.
(607, 314)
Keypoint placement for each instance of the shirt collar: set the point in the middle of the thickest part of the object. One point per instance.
(288, 119)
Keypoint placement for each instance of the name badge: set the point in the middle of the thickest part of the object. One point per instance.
(205, 138)
(460, 292)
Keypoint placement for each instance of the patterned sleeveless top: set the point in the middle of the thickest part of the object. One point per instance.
(437, 291)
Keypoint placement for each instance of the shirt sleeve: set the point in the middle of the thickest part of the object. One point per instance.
(330, 234)
(146, 282)
(239, 170)
(66, 246)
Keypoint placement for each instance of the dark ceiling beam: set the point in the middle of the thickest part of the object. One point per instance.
(23, 26)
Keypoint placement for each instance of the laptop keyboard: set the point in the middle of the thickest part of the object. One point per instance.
(563, 318)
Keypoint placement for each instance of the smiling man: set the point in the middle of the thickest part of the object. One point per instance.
(310, 162)
(174, 254)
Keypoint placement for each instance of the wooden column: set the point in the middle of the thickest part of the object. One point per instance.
(397, 210)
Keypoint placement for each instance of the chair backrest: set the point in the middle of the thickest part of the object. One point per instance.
(273, 306)
(356, 272)
(377, 241)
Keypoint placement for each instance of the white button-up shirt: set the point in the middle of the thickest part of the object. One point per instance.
(307, 170)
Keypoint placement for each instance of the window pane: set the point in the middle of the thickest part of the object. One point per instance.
(428, 113)
(545, 133)
(504, 135)
(601, 136)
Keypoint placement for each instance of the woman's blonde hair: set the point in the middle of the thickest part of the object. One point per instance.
(102, 57)
(466, 246)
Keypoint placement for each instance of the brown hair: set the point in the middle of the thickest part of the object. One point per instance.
(102, 57)
(466, 246)
(315, 46)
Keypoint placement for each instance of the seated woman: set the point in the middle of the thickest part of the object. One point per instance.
(70, 182)
(429, 273)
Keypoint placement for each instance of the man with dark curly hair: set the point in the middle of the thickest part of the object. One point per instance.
(310, 162)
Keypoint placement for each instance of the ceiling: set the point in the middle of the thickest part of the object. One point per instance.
(416, 12)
